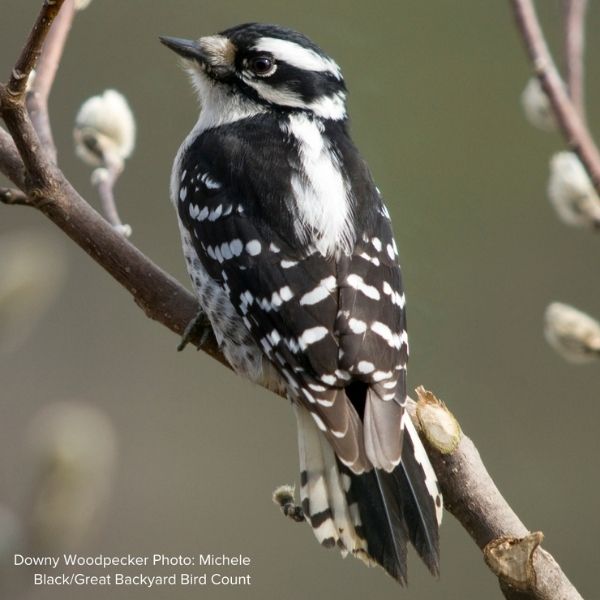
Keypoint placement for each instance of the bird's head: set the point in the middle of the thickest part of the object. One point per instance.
(268, 65)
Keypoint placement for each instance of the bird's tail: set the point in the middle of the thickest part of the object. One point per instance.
(371, 515)
(324, 489)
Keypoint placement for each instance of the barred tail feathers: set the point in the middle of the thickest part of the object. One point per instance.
(372, 515)
(324, 492)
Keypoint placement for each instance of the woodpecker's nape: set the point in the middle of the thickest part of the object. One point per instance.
(292, 256)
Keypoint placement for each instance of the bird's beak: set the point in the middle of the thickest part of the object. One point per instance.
(190, 49)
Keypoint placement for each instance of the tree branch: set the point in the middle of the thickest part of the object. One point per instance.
(33, 48)
(569, 119)
(12, 196)
(11, 164)
(469, 492)
(525, 570)
(45, 73)
(104, 179)
(574, 39)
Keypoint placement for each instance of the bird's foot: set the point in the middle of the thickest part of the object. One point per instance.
(197, 330)
(284, 497)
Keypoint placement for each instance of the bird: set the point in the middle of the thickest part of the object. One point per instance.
(291, 253)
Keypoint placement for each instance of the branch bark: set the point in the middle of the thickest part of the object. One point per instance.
(47, 65)
(568, 117)
(574, 12)
(469, 492)
(524, 569)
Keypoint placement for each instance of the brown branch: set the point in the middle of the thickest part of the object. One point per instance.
(469, 492)
(13, 196)
(569, 120)
(157, 293)
(104, 179)
(45, 73)
(11, 164)
(40, 171)
(33, 48)
(574, 40)
(525, 570)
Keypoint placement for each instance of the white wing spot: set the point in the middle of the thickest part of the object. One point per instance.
(216, 213)
(203, 214)
(183, 193)
(236, 247)
(210, 183)
(357, 326)
(286, 293)
(382, 330)
(226, 251)
(253, 247)
(395, 297)
(318, 421)
(322, 291)
(376, 243)
(358, 283)
(342, 374)
(194, 210)
(365, 367)
(308, 396)
(326, 402)
(371, 259)
(382, 376)
(390, 251)
(317, 388)
(287, 264)
(311, 336)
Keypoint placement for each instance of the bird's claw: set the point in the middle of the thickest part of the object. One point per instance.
(197, 329)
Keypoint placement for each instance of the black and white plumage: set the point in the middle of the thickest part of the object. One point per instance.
(291, 252)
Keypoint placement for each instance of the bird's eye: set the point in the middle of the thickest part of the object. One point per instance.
(262, 65)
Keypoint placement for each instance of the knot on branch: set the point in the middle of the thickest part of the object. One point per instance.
(436, 423)
(511, 559)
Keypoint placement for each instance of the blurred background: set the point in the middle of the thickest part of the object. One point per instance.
(181, 456)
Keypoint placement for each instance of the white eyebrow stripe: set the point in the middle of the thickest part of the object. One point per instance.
(297, 56)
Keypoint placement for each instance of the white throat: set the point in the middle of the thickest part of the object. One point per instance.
(219, 104)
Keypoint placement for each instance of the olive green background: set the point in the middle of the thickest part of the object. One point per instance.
(434, 99)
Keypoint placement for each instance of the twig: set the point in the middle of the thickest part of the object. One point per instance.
(571, 124)
(472, 497)
(574, 40)
(104, 180)
(32, 49)
(13, 196)
(45, 73)
(10, 161)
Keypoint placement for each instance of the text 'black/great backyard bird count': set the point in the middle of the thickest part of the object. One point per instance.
(291, 253)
